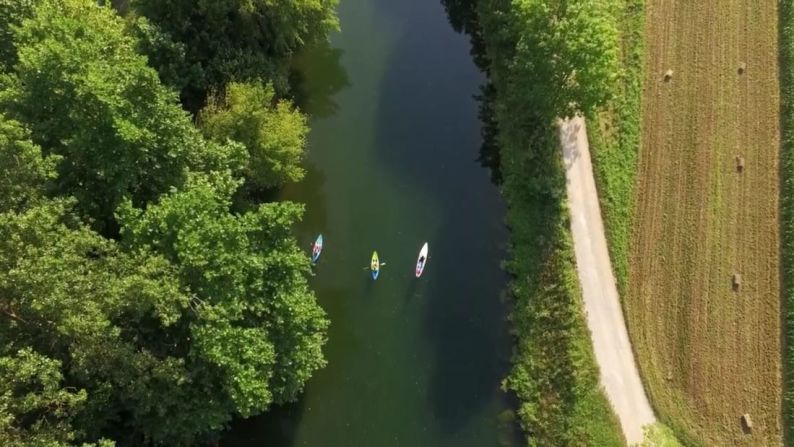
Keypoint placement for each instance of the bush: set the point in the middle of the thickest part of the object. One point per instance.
(274, 132)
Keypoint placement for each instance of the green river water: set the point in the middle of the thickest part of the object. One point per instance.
(392, 163)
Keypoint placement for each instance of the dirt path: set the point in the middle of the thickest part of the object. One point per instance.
(619, 375)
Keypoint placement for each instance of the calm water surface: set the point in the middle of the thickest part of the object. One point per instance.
(393, 163)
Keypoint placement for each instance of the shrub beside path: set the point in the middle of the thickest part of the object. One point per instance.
(619, 375)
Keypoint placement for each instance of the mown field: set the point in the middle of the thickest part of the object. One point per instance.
(709, 354)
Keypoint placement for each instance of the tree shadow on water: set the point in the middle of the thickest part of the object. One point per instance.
(310, 191)
(489, 150)
(276, 427)
(463, 18)
(462, 15)
(317, 74)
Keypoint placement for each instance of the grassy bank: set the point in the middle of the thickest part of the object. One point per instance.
(614, 136)
(554, 375)
(659, 435)
(786, 35)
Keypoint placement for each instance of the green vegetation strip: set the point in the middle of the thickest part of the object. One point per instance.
(554, 372)
(787, 208)
(659, 435)
(615, 140)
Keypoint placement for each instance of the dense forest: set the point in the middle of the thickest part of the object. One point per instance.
(142, 272)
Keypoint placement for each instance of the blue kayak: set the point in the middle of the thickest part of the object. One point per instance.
(317, 249)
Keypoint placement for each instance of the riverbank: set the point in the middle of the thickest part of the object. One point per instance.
(554, 373)
(614, 139)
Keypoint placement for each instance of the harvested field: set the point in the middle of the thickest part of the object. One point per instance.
(709, 349)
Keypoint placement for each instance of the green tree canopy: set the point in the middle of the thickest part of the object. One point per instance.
(24, 172)
(12, 13)
(88, 96)
(35, 410)
(113, 320)
(199, 314)
(563, 55)
(274, 132)
(241, 40)
(192, 315)
(204, 316)
(250, 277)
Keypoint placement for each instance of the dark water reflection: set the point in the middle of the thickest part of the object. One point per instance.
(314, 94)
(463, 19)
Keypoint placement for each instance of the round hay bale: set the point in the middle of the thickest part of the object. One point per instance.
(747, 423)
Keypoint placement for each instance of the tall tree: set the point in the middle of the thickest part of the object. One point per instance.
(562, 55)
(200, 315)
(260, 326)
(241, 40)
(88, 96)
(274, 132)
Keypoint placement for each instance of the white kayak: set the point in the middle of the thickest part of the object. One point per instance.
(421, 261)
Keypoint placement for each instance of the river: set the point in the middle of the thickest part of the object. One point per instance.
(392, 163)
